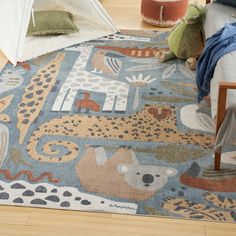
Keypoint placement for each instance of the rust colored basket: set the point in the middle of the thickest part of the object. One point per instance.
(163, 13)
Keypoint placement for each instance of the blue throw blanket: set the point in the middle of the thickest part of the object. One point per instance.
(221, 43)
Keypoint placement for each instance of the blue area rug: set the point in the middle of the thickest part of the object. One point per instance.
(103, 126)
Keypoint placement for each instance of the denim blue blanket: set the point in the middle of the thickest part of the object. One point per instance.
(221, 43)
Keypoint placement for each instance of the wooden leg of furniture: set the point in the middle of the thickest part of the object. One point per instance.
(223, 87)
(217, 160)
(219, 119)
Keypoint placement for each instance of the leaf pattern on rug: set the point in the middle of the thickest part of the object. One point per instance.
(188, 85)
(170, 153)
(146, 64)
(169, 71)
(175, 153)
(188, 73)
(188, 209)
(178, 89)
(169, 99)
(153, 66)
(221, 201)
(146, 61)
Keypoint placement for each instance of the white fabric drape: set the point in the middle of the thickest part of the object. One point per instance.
(89, 16)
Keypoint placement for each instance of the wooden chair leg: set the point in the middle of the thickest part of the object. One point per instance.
(223, 87)
(217, 160)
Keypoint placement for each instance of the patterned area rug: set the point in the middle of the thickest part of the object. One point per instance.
(103, 126)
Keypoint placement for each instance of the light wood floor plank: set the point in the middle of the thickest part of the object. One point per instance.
(13, 216)
(3, 61)
(177, 224)
(54, 231)
(126, 14)
(113, 225)
(216, 231)
(167, 220)
(130, 17)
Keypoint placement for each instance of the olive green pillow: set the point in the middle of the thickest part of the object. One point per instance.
(52, 22)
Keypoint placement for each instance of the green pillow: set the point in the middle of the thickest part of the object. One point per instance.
(52, 22)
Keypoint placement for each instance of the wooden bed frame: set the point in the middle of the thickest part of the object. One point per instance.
(221, 111)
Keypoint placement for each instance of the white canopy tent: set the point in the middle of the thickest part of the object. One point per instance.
(89, 16)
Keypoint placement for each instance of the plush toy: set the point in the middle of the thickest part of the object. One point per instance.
(186, 40)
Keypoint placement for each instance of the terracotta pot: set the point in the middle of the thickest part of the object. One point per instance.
(163, 13)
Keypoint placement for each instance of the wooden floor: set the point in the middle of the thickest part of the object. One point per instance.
(16, 221)
(37, 222)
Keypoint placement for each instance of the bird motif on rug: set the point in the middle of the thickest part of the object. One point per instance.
(107, 63)
(87, 104)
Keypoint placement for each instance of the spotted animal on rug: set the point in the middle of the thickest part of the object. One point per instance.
(143, 125)
(120, 176)
(35, 95)
(22, 193)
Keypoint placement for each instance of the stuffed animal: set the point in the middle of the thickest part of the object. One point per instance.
(186, 40)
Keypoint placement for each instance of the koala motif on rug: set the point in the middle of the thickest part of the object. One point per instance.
(120, 176)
